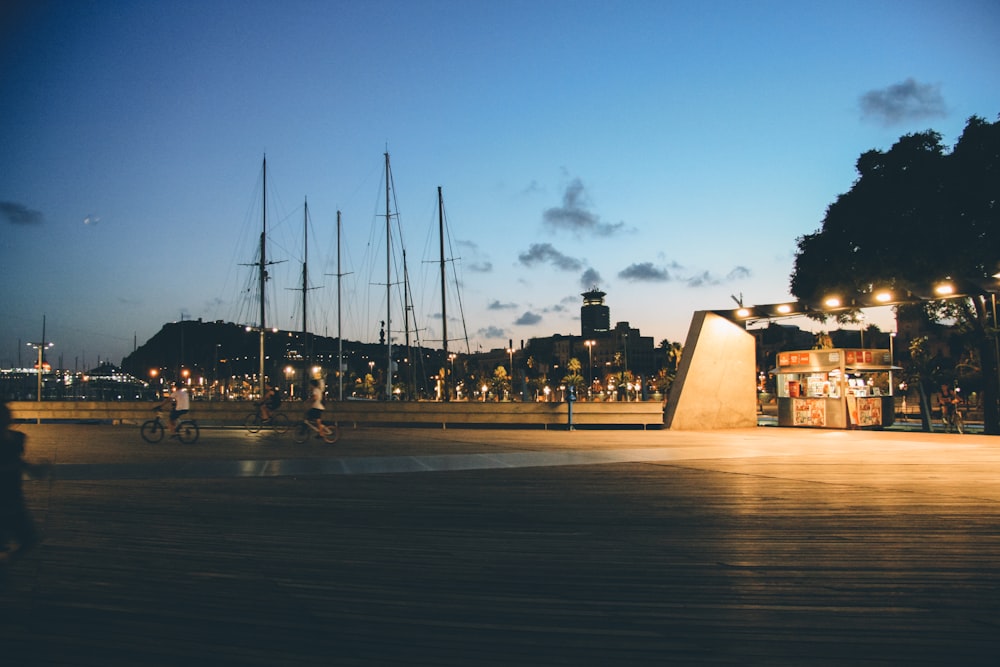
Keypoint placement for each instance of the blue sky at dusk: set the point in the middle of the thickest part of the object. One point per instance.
(669, 153)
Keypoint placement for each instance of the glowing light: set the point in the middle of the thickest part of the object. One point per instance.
(832, 302)
(883, 296)
(784, 309)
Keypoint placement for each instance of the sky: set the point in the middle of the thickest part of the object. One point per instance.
(667, 153)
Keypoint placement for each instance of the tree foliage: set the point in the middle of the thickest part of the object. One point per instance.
(917, 213)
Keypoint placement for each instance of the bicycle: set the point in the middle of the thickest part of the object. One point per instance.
(953, 418)
(279, 422)
(329, 433)
(152, 430)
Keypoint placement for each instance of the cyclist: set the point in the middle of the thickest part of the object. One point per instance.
(181, 404)
(948, 402)
(314, 415)
(270, 403)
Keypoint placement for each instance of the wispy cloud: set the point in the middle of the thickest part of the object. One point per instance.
(574, 216)
(542, 253)
(496, 305)
(739, 273)
(902, 102)
(703, 279)
(651, 273)
(19, 214)
(492, 332)
(644, 272)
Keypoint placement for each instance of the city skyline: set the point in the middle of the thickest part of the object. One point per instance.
(667, 153)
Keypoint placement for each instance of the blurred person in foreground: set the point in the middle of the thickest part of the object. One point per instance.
(17, 530)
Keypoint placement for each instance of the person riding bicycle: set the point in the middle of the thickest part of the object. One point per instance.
(270, 403)
(180, 405)
(315, 412)
(948, 402)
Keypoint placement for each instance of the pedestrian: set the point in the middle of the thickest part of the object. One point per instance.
(17, 530)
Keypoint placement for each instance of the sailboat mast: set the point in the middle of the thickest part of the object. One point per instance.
(340, 338)
(388, 283)
(307, 356)
(446, 394)
(263, 276)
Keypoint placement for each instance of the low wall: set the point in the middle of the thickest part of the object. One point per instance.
(644, 414)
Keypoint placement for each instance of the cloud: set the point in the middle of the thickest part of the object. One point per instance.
(528, 318)
(481, 267)
(492, 332)
(496, 305)
(540, 253)
(590, 278)
(531, 188)
(739, 273)
(702, 279)
(644, 272)
(574, 216)
(901, 102)
(18, 214)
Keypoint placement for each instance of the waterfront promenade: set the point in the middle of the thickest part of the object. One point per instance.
(500, 547)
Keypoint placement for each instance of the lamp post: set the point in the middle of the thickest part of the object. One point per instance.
(41, 347)
(892, 360)
(590, 367)
(446, 391)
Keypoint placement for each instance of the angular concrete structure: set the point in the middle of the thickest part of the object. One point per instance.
(716, 384)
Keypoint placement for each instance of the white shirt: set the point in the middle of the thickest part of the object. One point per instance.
(181, 399)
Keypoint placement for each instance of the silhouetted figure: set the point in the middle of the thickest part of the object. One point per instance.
(17, 530)
(270, 403)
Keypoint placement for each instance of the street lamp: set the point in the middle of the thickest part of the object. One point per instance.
(41, 347)
(892, 359)
(446, 391)
(590, 368)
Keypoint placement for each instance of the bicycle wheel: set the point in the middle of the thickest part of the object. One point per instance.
(151, 431)
(331, 433)
(301, 432)
(252, 423)
(280, 422)
(188, 432)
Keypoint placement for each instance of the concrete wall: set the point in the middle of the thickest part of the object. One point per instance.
(716, 383)
(225, 413)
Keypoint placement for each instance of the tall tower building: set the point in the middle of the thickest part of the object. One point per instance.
(595, 317)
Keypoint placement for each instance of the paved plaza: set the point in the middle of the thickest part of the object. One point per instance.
(762, 546)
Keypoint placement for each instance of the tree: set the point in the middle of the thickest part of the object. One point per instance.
(917, 213)
(500, 383)
(573, 378)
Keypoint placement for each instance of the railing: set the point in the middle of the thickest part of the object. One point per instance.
(644, 414)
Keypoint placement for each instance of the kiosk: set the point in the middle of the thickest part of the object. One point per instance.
(835, 388)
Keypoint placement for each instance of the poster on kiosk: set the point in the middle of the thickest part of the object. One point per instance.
(835, 388)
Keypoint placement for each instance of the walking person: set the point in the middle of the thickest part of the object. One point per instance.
(17, 529)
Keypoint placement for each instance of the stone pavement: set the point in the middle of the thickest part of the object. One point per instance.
(500, 547)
